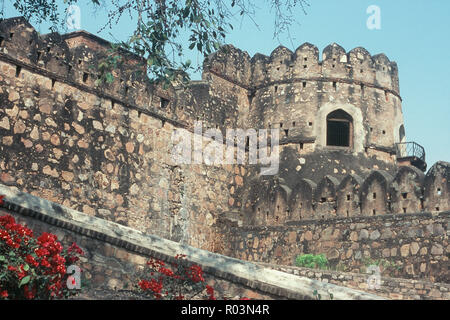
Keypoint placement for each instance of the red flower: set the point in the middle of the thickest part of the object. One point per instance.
(1, 202)
(45, 263)
(210, 292)
(152, 285)
(195, 273)
(30, 260)
(4, 294)
(29, 294)
(76, 248)
(166, 271)
(11, 268)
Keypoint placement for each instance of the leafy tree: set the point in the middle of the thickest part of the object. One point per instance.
(160, 25)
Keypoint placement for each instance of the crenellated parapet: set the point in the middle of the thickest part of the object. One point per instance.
(74, 58)
(380, 193)
(284, 66)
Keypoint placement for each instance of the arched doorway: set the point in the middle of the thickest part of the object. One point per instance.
(339, 129)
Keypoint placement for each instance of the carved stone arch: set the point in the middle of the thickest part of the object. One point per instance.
(325, 197)
(406, 190)
(375, 194)
(347, 196)
(301, 200)
(357, 135)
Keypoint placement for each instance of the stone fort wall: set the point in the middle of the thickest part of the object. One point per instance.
(105, 150)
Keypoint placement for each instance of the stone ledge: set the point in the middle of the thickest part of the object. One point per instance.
(242, 272)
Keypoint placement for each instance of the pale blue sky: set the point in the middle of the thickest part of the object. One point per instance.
(414, 33)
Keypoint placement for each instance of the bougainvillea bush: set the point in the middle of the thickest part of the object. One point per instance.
(33, 268)
(174, 281)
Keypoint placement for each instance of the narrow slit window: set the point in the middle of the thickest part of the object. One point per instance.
(85, 77)
(18, 71)
(374, 195)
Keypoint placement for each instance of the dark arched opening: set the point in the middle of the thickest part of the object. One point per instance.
(339, 129)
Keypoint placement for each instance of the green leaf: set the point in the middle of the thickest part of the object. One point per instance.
(2, 258)
(109, 77)
(26, 267)
(24, 281)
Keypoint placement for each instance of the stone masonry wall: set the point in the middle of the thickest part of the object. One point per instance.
(114, 253)
(392, 288)
(105, 151)
(416, 243)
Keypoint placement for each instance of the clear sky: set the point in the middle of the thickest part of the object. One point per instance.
(414, 33)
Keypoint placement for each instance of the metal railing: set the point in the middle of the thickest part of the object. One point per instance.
(410, 149)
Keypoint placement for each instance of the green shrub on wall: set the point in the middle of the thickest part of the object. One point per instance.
(312, 261)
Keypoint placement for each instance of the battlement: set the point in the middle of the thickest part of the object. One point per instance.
(380, 193)
(357, 66)
(73, 58)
